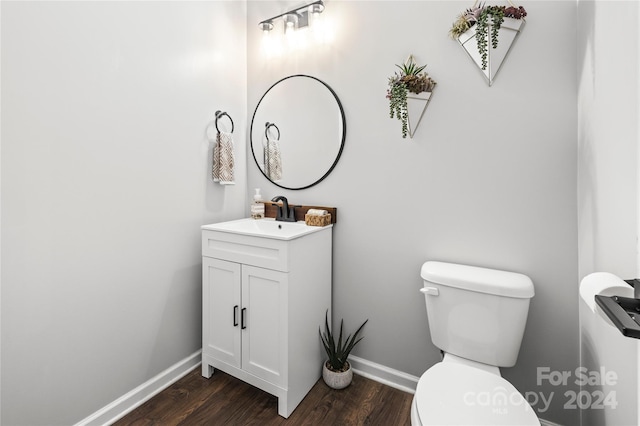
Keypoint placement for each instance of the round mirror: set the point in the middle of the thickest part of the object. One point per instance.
(297, 132)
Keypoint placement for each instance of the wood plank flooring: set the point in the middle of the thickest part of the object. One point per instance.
(225, 400)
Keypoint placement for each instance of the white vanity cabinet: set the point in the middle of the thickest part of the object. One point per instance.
(264, 297)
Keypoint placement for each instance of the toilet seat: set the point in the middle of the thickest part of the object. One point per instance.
(457, 394)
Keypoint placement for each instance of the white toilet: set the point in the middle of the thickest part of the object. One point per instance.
(477, 318)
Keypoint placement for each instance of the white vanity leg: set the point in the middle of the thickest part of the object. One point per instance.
(283, 409)
(207, 370)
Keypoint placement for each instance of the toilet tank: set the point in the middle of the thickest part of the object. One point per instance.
(476, 313)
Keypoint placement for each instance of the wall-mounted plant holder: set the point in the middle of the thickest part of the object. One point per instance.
(416, 106)
(508, 32)
(409, 93)
(487, 34)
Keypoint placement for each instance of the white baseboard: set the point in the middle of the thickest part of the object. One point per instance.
(133, 399)
(385, 375)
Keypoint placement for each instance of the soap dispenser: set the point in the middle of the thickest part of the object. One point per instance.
(257, 207)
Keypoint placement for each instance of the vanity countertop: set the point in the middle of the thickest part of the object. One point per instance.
(266, 228)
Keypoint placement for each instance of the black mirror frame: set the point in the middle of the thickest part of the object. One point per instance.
(344, 131)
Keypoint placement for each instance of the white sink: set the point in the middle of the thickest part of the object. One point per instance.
(266, 228)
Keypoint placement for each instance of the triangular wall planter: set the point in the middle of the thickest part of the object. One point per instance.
(509, 31)
(416, 106)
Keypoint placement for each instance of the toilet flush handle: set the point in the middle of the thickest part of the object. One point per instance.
(432, 291)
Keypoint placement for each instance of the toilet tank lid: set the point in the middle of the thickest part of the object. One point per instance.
(482, 280)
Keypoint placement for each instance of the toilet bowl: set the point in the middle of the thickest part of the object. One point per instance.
(477, 318)
(452, 393)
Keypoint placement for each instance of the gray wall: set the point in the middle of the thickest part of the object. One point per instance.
(105, 183)
(489, 179)
(608, 136)
(608, 139)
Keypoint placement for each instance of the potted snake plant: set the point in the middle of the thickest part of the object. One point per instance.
(337, 372)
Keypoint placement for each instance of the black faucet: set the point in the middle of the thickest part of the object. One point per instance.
(285, 212)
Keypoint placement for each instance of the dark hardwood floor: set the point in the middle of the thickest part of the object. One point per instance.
(225, 400)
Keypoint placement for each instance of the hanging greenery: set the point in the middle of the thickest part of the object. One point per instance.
(411, 78)
(479, 17)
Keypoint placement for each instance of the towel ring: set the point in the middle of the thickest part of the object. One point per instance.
(267, 127)
(221, 114)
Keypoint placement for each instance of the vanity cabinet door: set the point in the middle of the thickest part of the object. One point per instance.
(264, 338)
(221, 310)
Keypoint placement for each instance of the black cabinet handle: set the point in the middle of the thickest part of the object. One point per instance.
(235, 316)
(242, 323)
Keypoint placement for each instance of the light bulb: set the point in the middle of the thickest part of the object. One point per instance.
(266, 26)
(290, 23)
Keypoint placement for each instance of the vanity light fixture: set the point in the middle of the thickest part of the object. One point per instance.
(296, 18)
(266, 26)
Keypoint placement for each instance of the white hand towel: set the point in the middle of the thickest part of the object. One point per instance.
(316, 212)
(273, 161)
(223, 162)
